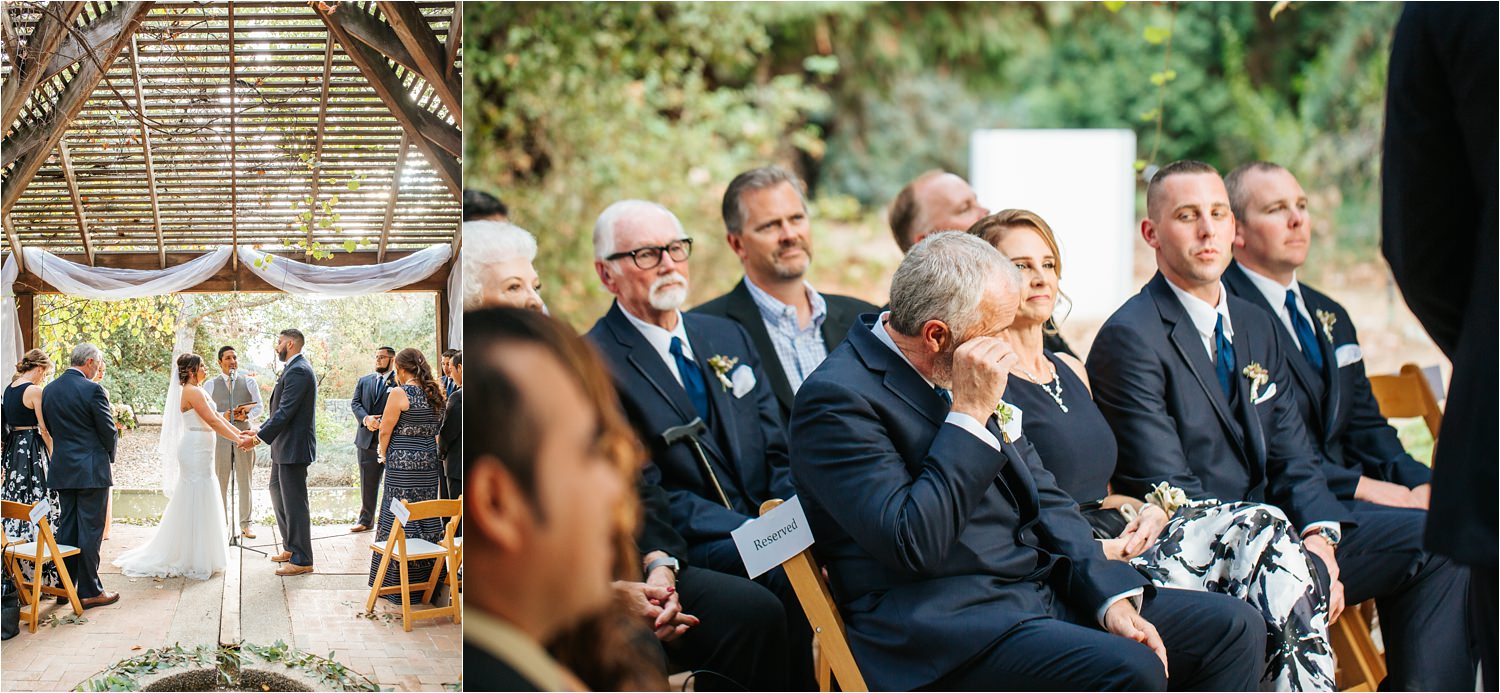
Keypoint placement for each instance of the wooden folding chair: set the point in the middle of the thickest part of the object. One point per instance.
(835, 661)
(1362, 664)
(39, 552)
(403, 550)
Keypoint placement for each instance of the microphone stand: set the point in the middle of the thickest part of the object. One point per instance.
(235, 539)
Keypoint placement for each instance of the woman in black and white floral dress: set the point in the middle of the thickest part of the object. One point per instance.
(1245, 550)
(28, 449)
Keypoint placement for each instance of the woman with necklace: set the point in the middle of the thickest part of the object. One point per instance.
(1247, 550)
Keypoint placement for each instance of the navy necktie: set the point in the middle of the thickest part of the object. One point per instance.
(945, 393)
(1224, 359)
(1309, 339)
(692, 379)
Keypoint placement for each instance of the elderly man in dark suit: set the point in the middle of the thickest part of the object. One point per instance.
(792, 326)
(83, 448)
(1196, 385)
(957, 562)
(370, 393)
(294, 446)
(1439, 219)
(672, 369)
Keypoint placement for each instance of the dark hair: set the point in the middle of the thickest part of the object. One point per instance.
(482, 205)
(187, 364)
(412, 361)
(36, 358)
(388, 350)
(905, 210)
(448, 353)
(1180, 167)
(732, 208)
(1239, 193)
(223, 349)
(295, 335)
(458, 358)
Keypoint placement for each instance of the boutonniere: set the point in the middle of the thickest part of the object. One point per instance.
(722, 365)
(1328, 319)
(1258, 378)
(1009, 416)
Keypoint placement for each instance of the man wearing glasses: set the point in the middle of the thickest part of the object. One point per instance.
(673, 369)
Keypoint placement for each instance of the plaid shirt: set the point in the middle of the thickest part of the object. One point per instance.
(800, 350)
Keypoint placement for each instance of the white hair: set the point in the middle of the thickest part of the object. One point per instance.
(487, 243)
(83, 352)
(604, 226)
(943, 278)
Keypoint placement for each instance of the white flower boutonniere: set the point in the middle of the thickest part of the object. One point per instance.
(1258, 378)
(722, 365)
(1168, 498)
(1328, 319)
(1009, 416)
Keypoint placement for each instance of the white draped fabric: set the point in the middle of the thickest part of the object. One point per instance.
(12, 346)
(456, 307)
(323, 282)
(110, 284)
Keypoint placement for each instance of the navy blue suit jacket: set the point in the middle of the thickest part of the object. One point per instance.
(936, 544)
(369, 400)
(1156, 385)
(745, 443)
(1336, 404)
(83, 432)
(290, 430)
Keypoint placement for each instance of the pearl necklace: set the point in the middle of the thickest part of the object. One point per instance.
(1052, 387)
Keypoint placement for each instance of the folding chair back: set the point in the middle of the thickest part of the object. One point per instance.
(835, 659)
(403, 550)
(38, 552)
(1407, 395)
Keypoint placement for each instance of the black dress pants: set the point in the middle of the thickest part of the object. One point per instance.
(370, 472)
(81, 524)
(722, 556)
(740, 640)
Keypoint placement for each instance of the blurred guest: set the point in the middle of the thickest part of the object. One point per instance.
(368, 404)
(450, 437)
(447, 381)
(792, 326)
(413, 471)
(482, 206)
(28, 449)
(497, 268)
(543, 501)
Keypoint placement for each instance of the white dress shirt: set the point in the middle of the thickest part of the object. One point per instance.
(968, 423)
(661, 340)
(1275, 295)
(222, 380)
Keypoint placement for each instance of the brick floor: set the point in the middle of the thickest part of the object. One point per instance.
(325, 611)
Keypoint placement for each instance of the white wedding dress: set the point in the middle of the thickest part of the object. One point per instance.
(191, 539)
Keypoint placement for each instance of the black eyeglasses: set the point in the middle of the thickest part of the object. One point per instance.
(650, 256)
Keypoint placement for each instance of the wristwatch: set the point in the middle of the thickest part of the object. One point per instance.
(1329, 534)
(667, 561)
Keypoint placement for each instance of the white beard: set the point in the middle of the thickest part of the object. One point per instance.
(665, 298)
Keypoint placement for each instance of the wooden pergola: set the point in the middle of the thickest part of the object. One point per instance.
(142, 134)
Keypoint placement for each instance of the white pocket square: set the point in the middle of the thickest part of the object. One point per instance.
(1348, 355)
(1268, 394)
(743, 380)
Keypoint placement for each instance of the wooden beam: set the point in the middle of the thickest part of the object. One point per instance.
(228, 278)
(455, 40)
(74, 96)
(140, 108)
(416, 34)
(376, 34)
(318, 147)
(83, 224)
(79, 43)
(234, 183)
(15, 243)
(26, 315)
(439, 141)
(390, 204)
(442, 320)
(26, 73)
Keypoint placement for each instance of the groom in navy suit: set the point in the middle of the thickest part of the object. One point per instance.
(294, 446)
(957, 562)
(1196, 385)
(83, 448)
(672, 368)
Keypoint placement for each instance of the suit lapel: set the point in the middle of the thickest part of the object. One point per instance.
(1332, 389)
(900, 378)
(648, 363)
(1189, 346)
(1254, 435)
(704, 348)
(1324, 407)
(742, 309)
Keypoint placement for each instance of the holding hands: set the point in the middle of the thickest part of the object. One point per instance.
(248, 439)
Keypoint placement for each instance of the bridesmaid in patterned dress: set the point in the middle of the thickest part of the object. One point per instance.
(28, 448)
(413, 469)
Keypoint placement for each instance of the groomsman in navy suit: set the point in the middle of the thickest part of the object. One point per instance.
(368, 403)
(957, 562)
(671, 369)
(1362, 457)
(1197, 386)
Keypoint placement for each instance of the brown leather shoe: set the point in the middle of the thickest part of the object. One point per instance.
(246, 533)
(282, 557)
(361, 527)
(104, 599)
(293, 569)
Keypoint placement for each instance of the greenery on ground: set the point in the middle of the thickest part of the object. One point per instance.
(569, 107)
(325, 673)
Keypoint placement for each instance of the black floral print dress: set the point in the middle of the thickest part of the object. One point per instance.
(25, 460)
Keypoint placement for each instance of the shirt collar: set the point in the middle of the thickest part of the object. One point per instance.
(659, 338)
(510, 645)
(1203, 315)
(1273, 290)
(885, 338)
(773, 310)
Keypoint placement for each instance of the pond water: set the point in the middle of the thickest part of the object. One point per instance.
(329, 505)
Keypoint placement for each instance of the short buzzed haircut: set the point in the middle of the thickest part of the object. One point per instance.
(295, 335)
(905, 211)
(1239, 192)
(733, 206)
(388, 350)
(1179, 167)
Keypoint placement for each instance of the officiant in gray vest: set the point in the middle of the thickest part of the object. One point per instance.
(236, 396)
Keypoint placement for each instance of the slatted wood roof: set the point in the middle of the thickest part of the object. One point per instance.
(139, 127)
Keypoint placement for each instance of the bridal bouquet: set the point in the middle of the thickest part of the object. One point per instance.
(124, 416)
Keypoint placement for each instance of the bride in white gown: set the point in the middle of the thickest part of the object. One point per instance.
(191, 539)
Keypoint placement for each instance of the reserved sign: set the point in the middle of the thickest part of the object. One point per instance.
(771, 539)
